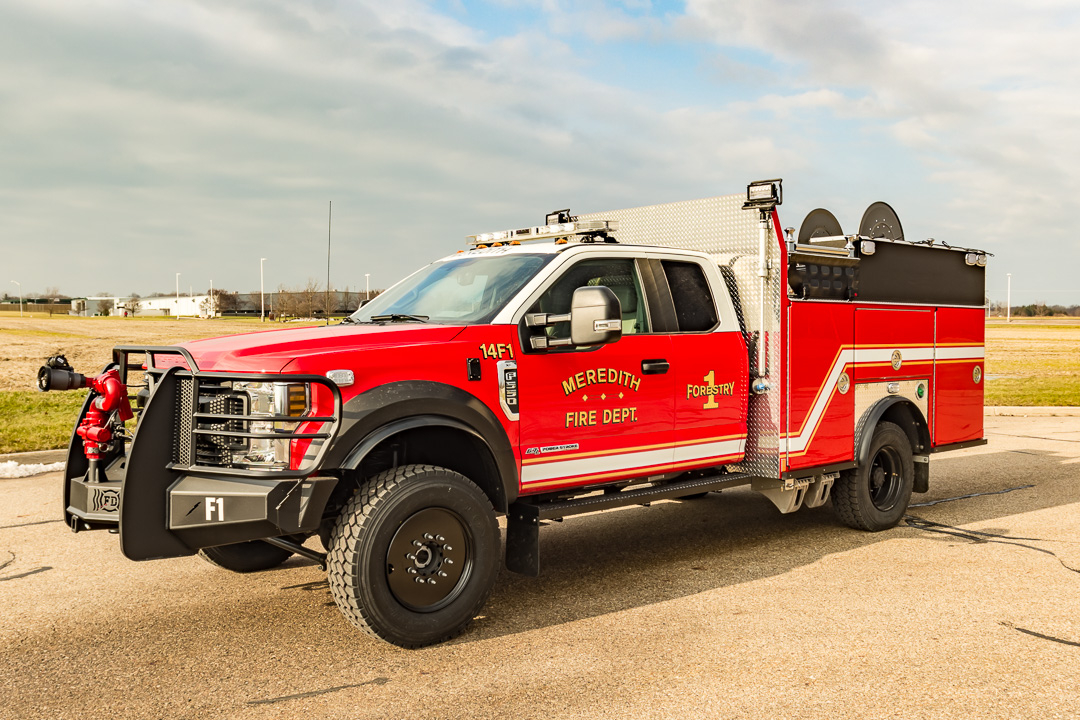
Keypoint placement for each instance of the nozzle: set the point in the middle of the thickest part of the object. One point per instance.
(57, 374)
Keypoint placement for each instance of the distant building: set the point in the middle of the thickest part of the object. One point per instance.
(184, 306)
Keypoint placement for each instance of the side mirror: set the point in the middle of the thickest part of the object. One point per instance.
(595, 316)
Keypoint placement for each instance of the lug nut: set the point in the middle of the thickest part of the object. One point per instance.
(411, 571)
(431, 581)
(447, 548)
(428, 536)
(417, 543)
(440, 538)
(442, 573)
(420, 580)
(448, 561)
(411, 556)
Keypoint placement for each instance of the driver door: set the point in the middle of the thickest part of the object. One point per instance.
(602, 413)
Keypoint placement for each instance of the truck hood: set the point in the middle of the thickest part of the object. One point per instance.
(271, 351)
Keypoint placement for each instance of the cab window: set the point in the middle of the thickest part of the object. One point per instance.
(619, 275)
(695, 310)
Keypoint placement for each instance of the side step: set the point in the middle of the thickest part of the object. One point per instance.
(524, 516)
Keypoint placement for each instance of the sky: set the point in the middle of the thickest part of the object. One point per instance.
(144, 138)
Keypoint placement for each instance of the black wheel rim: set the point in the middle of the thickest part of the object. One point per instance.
(886, 478)
(429, 560)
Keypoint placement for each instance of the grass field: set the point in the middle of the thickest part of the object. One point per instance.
(30, 420)
(1035, 361)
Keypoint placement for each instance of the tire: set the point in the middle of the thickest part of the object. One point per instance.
(875, 495)
(414, 555)
(245, 557)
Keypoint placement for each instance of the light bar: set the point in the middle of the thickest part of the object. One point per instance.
(578, 228)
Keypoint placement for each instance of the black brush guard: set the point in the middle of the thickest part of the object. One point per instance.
(170, 494)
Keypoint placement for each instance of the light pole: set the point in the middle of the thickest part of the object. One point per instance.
(177, 294)
(1008, 300)
(367, 286)
(20, 295)
(262, 294)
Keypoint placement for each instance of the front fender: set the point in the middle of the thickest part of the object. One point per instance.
(383, 411)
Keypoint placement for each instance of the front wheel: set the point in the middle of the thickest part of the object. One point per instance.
(875, 495)
(414, 555)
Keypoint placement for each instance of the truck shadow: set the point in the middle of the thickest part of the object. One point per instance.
(618, 560)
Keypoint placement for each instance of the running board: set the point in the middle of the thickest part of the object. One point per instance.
(523, 518)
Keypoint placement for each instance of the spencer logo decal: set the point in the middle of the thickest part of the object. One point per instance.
(710, 390)
(600, 376)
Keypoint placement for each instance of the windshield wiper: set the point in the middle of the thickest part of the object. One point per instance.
(399, 317)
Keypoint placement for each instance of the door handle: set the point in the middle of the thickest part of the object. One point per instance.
(654, 367)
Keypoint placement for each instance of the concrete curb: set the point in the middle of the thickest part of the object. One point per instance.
(1021, 411)
(44, 457)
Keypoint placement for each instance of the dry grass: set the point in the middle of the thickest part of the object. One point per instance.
(1033, 363)
(30, 420)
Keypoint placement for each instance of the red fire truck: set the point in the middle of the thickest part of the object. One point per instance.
(591, 362)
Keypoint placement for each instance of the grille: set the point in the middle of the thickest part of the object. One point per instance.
(216, 449)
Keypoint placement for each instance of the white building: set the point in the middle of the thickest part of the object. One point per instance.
(184, 306)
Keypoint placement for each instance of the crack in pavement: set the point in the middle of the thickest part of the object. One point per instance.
(36, 522)
(309, 586)
(976, 536)
(10, 560)
(1034, 437)
(35, 571)
(972, 495)
(1051, 638)
(313, 693)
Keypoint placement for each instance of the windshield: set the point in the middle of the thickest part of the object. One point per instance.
(459, 291)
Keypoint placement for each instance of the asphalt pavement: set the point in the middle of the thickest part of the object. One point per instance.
(718, 607)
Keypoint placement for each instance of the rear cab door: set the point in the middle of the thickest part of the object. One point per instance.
(709, 359)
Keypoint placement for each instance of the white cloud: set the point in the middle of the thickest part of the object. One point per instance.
(196, 135)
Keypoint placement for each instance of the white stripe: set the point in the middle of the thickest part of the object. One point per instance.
(971, 352)
(907, 354)
(628, 461)
(599, 464)
(799, 443)
(707, 450)
(869, 355)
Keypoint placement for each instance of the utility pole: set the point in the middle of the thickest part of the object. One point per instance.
(177, 294)
(211, 297)
(20, 296)
(262, 293)
(1008, 301)
(367, 286)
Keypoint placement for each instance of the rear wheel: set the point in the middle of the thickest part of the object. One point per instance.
(245, 557)
(414, 555)
(875, 495)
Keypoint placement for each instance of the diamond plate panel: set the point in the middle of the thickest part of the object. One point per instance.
(720, 227)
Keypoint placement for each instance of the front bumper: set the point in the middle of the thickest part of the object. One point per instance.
(169, 493)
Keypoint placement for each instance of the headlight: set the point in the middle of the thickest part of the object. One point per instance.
(275, 401)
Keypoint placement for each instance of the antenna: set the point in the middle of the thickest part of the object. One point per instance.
(329, 218)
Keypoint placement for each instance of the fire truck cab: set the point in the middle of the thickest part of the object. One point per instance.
(591, 362)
